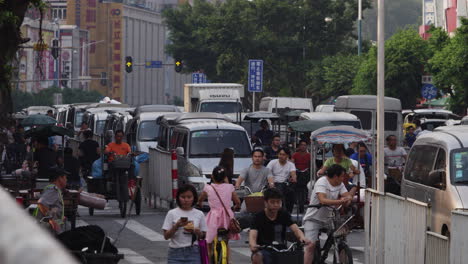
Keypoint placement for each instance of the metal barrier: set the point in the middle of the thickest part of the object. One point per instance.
(23, 241)
(160, 178)
(459, 240)
(437, 248)
(404, 229)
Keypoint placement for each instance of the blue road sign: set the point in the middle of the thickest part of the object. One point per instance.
(255, 75)
(429, 91)
(199, 78)
(153, 64)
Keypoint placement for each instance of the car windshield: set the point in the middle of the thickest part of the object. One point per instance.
(148, 131)
(459, 165)
(78, 118)
(221, 107)
(100, 127)
(211, 143)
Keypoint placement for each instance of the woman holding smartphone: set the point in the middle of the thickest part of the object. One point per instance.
(182, 226)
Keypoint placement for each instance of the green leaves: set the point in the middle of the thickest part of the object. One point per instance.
(288, 35)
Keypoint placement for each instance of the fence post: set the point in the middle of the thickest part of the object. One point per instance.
(175, 186)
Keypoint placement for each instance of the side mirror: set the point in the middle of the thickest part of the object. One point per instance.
(438, 178)
(180, 151)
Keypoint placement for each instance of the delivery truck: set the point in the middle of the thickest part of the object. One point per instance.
(213, 97)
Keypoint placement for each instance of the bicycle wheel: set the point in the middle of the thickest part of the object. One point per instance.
(344, 254)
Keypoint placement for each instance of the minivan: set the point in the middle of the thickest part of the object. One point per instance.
(437, 174)
(336, 118)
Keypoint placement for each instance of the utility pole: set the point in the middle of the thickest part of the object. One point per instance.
(380, 205)
(359, 27)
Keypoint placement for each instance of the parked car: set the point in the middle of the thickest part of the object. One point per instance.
(437, 174)
(283, 105)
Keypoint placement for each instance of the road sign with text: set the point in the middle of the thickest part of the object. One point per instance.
(153, 64)
(198, 78)
(255, 75)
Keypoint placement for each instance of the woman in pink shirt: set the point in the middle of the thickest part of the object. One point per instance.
(220, 195)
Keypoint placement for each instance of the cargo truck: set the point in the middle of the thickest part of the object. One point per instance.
(213, 97)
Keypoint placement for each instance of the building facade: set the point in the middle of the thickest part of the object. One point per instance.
(442, 13)
(128, 28)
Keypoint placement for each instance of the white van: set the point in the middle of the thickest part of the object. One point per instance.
(364, 107)
(337, 118)
(283, 104)
(437, 173)
(328, 108)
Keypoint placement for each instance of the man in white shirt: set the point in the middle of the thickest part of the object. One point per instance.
(394, 156)
(284, 173)
(330, 191)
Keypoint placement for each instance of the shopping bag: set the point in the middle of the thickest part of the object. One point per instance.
(203, 247)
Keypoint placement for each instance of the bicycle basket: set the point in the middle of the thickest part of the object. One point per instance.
(122, 162)
(254, 204)
(343, 226)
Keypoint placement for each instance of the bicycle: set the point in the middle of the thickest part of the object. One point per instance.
(220, 247)
(336, 237)
(293, 254)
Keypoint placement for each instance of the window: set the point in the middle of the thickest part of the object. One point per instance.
(173, 141)
(64, 14)
(78, 119)
(435, 180)
(221, 107)
(211, 143)
(459, 166)
(391, 121)
(100, 127)
(162, 142)
(148, 131)
(365, 117)
(420, 163)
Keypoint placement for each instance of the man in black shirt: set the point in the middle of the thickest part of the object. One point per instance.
(269, 227)
(264, 135)
(271, 151)
(89, 151)
(45, 157)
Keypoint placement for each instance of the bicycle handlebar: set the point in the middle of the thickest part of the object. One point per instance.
(289, 249)
(318, 206)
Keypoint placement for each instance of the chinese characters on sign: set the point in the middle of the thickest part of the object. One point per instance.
(255, 75)
(429, 12)
(116, 77)
(198, 78)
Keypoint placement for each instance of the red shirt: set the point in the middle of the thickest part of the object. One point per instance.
(301, 160)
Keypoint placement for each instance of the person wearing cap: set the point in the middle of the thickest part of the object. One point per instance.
(51, 202)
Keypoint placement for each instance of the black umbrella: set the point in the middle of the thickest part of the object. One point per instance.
(38, 120)
(48, 131)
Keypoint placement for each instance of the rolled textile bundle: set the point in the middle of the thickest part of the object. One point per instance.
(92, 200)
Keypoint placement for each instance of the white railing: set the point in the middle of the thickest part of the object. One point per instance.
(459, 238)
(437, 248)
(22, 240)
(402, 237)
(160, 178)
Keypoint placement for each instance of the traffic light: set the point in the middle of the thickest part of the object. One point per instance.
(55, 48)
(178, 65)
(128, 64)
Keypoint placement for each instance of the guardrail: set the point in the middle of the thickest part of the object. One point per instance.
(459, 239)
(23, 241)
(437, 248)
(160, 178)
(404, 229)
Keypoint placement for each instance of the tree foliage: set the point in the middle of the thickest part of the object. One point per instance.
(405, 55)
(449, 67)
(333, 76)
(289, 35)
(45, 97)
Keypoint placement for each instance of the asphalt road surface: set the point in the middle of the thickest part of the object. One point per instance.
(142, 240)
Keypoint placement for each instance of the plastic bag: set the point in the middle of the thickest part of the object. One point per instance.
(96, 170)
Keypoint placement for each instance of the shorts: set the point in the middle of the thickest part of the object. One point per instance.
(184, 255)
(312, 229)
(266, 254)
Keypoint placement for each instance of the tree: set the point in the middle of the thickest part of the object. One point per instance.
(405, 55)
(449, 67)
(289, 35)
(11, 17)
(333, 76)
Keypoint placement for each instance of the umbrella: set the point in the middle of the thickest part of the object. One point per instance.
(38, 120)
(308, 125)
(48, 131)
(444, 101)
(340, 135)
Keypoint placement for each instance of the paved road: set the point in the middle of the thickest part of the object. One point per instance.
(142, 241)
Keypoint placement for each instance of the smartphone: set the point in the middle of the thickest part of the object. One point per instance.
(184, 219)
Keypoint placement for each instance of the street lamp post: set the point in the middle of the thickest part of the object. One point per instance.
(359, 27)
